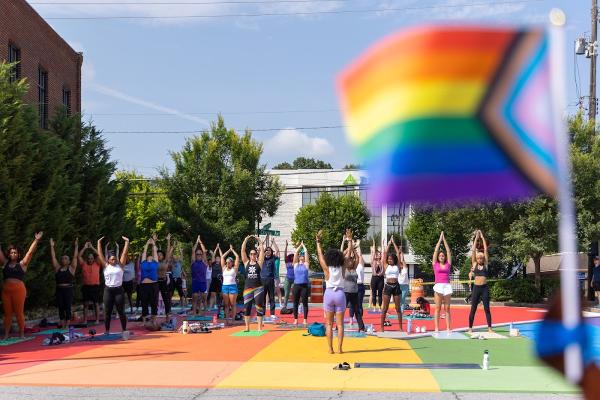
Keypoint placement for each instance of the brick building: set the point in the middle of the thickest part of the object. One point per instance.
(50, 66)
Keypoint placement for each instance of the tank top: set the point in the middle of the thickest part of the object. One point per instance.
(300, 274)
(128, 272)
(289, 274)
(15, 272)
(377, 269)
(64, 277)
(199, 272)
(229, 276)
(113, 275)
(336, 280)
(176, 269)
(252, 276)
(148, 270)
(392, 272)
(441, 272)
(351, 281)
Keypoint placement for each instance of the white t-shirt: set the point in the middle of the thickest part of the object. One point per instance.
(403, 278)
(208, 272)
(360, 270)
(113, 275)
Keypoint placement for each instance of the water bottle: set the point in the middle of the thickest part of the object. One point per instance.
(71, 333)
(409, 325)
(184, 328)
(486, 360)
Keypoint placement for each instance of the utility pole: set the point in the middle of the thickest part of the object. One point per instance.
(592, 109)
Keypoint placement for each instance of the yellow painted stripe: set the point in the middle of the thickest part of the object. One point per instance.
(420, 99)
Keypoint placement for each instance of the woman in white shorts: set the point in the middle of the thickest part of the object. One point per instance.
(442, 290)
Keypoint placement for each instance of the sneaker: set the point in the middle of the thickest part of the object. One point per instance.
(125, 335)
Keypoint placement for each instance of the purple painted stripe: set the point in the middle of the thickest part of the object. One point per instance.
(499, 186)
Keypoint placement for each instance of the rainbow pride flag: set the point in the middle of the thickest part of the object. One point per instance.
(453, 114)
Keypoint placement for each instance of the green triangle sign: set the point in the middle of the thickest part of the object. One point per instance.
(350, 180)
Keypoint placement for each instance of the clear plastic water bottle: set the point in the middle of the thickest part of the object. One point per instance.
(486, 360)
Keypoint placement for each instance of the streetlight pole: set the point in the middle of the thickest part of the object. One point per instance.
(592, 109)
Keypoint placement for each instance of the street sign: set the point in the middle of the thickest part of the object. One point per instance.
(267, 232)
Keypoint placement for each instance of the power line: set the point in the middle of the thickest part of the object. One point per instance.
(220, 112)
(192, 3)
(283, 14)
(250, 129)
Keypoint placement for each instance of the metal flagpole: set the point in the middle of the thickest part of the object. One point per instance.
(566, 229)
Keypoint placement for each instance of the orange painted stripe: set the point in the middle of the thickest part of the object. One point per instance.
(426, 42)
(450, 66)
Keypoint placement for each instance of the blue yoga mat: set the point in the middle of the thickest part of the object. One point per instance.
(105, 338)
(199, 318)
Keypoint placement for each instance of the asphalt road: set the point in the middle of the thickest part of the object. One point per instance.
(95, 393)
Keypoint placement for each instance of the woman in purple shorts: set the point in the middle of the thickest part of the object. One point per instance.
(334, 264)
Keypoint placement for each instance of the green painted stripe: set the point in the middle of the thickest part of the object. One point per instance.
(429, 131)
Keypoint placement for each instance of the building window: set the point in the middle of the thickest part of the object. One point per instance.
(67, 100)
(43, 97)
(14, 56)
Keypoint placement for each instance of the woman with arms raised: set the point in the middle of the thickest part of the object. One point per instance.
(13, 291)
(64, 273)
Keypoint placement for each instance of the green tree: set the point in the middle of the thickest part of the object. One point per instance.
(333, 215)
(147, 208)
(352, 166)
(219, 189)
(304, 163)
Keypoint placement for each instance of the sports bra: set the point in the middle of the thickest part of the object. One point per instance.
(229, 276)
(64, 277)
(15, 272)
(392, 272)
(480, 272)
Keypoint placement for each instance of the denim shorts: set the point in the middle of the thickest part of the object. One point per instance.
(229, 289)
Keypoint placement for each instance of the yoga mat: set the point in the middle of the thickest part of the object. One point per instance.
(14, 340)
(449, 336)
(249, 334)
(418, 319)
(199, 318)
(487, 335)
(52, 331)
(373, 312)
(416, 366)
(392, 335)
(105, 338)
(352, 334)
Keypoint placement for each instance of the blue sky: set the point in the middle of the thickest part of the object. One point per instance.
(176, 74)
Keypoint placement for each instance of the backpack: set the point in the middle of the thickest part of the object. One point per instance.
(316, 329)
(286, 310)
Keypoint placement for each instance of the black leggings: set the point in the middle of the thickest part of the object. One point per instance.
(177, 285)
(269, 286)
(114, 296)
(480, 292)
(376, 290)
(352, 301)
(64, 301)
(165, 292)
(149, 297)
(300, 292)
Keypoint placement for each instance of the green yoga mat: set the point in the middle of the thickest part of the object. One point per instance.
(199, 318)
(51, 331)
(249, 334)
(14, 340)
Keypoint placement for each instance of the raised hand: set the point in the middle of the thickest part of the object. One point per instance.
(76, 241)
(154, 237)
(319, 235)
(126, 239)
(38, 236)
(101, 239)
(231, 247)
(51, 242)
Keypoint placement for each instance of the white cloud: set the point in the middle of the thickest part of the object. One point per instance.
(289, 143)
(145, 103)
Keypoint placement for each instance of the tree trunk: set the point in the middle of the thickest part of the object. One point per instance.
(537, 262)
